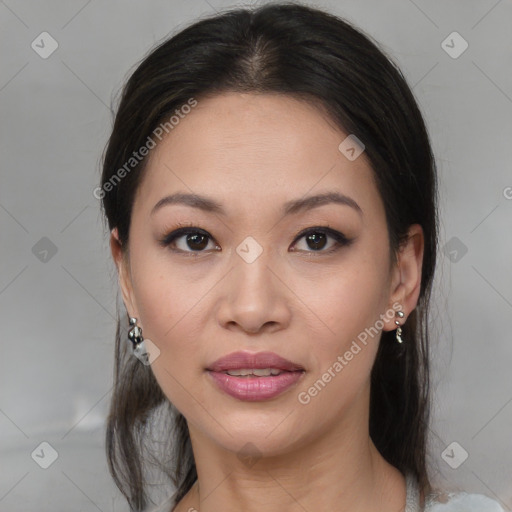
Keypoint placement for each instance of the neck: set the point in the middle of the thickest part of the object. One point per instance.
(339, 470)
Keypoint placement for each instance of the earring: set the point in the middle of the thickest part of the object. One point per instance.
(399, 314)
(135, 336)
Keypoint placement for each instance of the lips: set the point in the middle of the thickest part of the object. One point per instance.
(254, 377)
(258, 360)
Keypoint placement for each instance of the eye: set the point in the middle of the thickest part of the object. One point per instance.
(188, 239)
(317, 238)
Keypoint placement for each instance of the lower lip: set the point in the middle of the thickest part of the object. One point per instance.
(255, 388)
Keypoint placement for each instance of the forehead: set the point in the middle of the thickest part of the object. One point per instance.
(254, 149)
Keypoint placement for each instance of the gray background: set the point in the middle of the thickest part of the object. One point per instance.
(57, 310)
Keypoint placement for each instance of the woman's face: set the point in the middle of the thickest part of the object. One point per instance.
(247, 280)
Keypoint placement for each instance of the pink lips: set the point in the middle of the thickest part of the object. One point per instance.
(252, 387)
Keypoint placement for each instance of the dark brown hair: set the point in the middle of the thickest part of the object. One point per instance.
(312, 55)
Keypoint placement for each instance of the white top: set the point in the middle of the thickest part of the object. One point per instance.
(455, 502)
(464, 502)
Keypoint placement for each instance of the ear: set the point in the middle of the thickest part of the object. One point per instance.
(122, 263)
(406, 276)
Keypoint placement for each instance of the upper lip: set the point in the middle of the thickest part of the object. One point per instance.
(251, 360)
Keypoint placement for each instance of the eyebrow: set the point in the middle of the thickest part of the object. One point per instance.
(289, 208)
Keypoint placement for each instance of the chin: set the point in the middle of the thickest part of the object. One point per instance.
(267, 433)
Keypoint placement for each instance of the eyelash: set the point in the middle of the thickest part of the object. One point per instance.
(186, 229)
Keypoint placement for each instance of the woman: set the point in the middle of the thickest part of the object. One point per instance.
(270, 191)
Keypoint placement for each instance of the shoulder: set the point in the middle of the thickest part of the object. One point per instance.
(463, 502)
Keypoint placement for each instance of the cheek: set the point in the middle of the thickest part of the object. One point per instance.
(170, 309)
(349, 303)
(165, 292)
(346, 344)
(347, 300)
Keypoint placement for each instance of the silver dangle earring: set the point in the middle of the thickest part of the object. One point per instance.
(399, 314)
(135, 336)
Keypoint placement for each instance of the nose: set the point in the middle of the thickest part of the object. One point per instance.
(255, 298)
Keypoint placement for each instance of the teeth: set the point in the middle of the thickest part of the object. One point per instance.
(259, 372)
